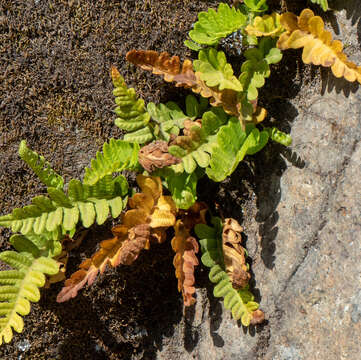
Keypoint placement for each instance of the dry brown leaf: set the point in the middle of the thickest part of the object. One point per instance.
(234, 254)
(257, 317)
(150, 216)
(183, 75)
(150, 206)
(155, 156)
(109, 253)
(185, 259)
(307, 32)
(123, 249)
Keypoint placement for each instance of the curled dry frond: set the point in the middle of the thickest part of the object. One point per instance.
(151, 214)
(307, 32)
(234, 254)
(239, 301)
(195, 215)
(185, 246)
(150, 206)
(155, 156)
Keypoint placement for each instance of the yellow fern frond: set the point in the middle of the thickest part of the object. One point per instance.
(307, 32)
(267, 25)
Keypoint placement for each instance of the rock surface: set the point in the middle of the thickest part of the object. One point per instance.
(301, 214)
(310, 276)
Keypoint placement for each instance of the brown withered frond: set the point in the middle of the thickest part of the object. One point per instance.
(183, 75)
(186, 248)
(150, 206)
(307, 32)
(162, 64)
(109, 253)
(151, 214)
(155, 156)
(185, 259)
(257, 317)
(234, 254)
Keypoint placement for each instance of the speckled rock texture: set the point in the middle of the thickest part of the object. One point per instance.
(306, 247)
(300, 207)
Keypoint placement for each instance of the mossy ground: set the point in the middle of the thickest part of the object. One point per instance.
(56, 93)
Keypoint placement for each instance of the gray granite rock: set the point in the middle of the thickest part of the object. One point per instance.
(310, 277)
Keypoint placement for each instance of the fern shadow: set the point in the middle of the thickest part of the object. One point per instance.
(118, 313)
(353, 10)
(331, 83)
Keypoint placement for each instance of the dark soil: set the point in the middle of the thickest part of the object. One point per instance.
(56, 93)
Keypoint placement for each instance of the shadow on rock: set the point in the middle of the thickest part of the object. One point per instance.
(353, 11)
(330, 83)
(118, 313)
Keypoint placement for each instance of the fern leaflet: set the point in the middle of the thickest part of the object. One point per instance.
(215, 25)
(231, 146)
(19, 287)
(41, 167)
(195, 148)
(215, 70)
(322, 3)
(117, 155)
(132, 116)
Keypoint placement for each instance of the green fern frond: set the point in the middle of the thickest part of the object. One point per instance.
(117, 155)
(140, 136)
(183, 187)
(215, 71)
(215, 25)
(322, 3)
(196, 148)
(267, 25)
(132, 115)
(37, 245)
(256, 6)
(240, 302)
(40, 166)
(231, 146)
(87, 203)
(256, 68)
(19, 287)
(157, 122)
(279, 136)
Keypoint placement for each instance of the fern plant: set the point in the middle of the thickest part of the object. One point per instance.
(172, 148)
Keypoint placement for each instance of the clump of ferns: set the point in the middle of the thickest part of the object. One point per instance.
(172, 148)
